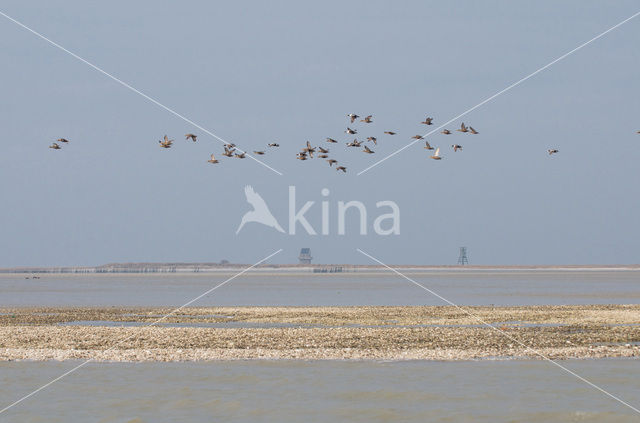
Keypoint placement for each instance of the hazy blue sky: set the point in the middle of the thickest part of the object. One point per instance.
(255, 72)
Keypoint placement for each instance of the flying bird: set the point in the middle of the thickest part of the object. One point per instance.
(331, 140)
(456, 147)
(428, 121)
(192, 136)
(62, 140)
(331, 162)
(473, 131)
(351, 131)
(374, 139)
(342, 168)
(354, 143)
(240, 155)
(436, 155)
(213, 159)
(462, 128)
(166, 143)
(309, 149)
(323, 150)
(389, 132)
(259, 153)
(428, 146)
(323, 156)
(260, 212)
(367, 150)
(55, 146)
(553, 151)
(367, 119)
(273, 144)
(353, 117)
(446, 132)
(417, 137)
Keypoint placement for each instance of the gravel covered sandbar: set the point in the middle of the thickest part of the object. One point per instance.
(332, 333)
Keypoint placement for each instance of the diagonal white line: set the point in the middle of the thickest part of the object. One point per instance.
(124, 84)
(501, 92)
(511, 338)
(84, 363)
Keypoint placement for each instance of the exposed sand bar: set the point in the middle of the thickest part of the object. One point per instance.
(379, 333)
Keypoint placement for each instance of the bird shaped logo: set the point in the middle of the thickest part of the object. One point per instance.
(260, 212)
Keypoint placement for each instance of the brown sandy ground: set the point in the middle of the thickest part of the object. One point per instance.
(379, 333)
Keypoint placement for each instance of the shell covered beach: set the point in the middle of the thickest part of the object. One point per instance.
(320, 333)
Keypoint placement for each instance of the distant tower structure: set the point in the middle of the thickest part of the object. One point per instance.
(305, 256)
(462, 259)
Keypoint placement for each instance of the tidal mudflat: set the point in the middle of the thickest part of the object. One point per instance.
(320, 333)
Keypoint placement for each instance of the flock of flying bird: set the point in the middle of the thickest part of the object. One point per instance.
(229, 149)
(308, 151)
(56, 146)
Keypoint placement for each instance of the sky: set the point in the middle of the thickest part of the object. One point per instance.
(284, 71)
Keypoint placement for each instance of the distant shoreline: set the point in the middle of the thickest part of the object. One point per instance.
(142, 268)
(320, 333)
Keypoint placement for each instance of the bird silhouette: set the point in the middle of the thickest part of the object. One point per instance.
(260, 212)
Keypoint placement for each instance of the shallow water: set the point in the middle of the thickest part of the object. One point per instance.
(473, 287)
(266, 391)
(294, 391)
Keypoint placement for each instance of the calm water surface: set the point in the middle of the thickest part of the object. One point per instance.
(293, 391)
(380, 288)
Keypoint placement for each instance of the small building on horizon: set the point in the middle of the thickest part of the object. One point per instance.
(305, 256)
